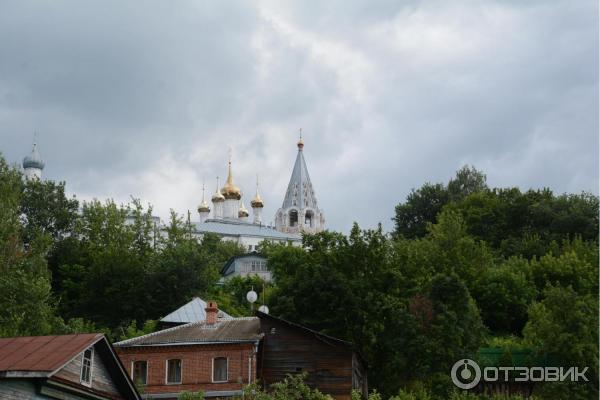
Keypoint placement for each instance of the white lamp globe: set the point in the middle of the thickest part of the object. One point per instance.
(251, 296)
(263, 309)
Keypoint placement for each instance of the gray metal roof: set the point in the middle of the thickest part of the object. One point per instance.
(300, 188)
(229, 227)
(232, 330)
(194, 311)
(33, 160)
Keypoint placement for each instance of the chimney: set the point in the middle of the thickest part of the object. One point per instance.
(211, 312)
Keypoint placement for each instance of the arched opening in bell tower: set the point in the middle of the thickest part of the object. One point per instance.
(293, 217)
(308, 218)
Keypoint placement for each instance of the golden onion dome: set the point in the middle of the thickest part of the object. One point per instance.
(257, 202)
(217, 197)
(242, 211)
(203, 207)
(230, 191)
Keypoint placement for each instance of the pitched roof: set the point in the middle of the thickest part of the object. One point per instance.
(44, 356)
(42, 353)
(323, 337)
(240, 228)
(193, 311)
(300, 187)
(234, 330)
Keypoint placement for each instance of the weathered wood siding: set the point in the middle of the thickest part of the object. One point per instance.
(21, 389)
(11, 389)
(289, 350)
(101, 380)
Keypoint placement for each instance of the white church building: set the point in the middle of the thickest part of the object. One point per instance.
(230, 219)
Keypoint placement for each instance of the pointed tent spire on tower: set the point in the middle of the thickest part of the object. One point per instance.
(300, 211)
(300, 192)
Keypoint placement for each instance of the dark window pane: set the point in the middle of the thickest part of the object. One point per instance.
(174, 371)
(220, 369)
(140, 369)
(86, 366)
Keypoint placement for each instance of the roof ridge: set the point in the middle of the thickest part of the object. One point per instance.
(147, 335)
(188, 325)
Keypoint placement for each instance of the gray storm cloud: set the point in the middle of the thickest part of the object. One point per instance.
(144, 100)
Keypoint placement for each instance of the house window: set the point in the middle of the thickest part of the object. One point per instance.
(87, 362)
(173, 371)
(140, 372)
(220, 369)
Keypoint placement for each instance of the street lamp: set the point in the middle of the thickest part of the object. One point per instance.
(251, 296)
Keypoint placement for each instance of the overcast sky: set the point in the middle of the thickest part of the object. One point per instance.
(144, 99)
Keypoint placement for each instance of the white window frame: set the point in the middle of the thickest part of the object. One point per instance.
(84, 383)
(167, 372)
(133, 369)
(212, 372)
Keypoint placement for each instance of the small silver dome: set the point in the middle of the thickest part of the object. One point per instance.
(33, 160)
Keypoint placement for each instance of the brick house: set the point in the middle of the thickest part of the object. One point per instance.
(216, 356)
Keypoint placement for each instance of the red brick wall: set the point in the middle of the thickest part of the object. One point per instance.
(196, 366)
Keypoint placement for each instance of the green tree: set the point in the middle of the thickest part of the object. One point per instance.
(565, 326)
(185, 267)
(468, 180)
(421, 208)
(293, 387)
(423, 205)
(530, 224)
(26, 307)
(231, 295)
(566, 270)
(503, 294)
(191, 396)
(105, 280)
(45, 208)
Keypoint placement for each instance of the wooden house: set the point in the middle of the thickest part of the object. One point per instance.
(251, 264)
(68, 367)
(331, 364)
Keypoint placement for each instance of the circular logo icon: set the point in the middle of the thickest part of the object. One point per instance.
(466, 374)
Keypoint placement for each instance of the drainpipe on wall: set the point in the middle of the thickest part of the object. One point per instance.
(252, 356)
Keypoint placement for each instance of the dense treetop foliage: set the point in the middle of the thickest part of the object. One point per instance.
(467, 266)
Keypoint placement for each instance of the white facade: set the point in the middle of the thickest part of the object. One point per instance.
(257, 215)
(231, 221)
(299, 211)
